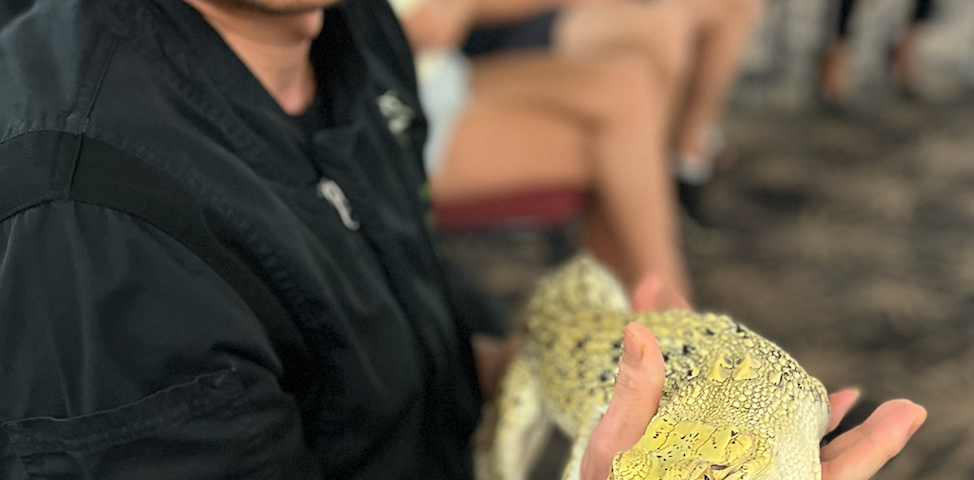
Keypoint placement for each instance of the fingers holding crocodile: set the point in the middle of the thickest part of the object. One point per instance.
(839, 405)
(635, 399)
(859, 453)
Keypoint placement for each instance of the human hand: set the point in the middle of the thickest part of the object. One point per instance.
(638, 388)
(859, 453)
(854, 455)
(639, 384)
(651, 295)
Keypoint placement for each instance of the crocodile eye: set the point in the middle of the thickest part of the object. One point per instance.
(718, 467)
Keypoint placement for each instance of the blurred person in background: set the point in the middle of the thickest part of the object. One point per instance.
(213, 260)
(695, 45)
(835, 76)
(688, 50)
(511, 123)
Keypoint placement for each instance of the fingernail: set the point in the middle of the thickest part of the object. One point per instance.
(632, 351)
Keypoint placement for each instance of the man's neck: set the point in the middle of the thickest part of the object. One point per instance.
(274, 47)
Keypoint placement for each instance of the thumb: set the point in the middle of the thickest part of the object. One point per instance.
(638, 387)
(635, 400)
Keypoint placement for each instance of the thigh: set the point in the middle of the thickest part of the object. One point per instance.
(597, 28)
(500, 149)
(586, 90)
(534, 121)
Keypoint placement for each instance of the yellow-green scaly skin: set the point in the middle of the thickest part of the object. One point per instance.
(734, 407)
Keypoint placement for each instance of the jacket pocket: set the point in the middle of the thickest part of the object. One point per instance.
(155, 437)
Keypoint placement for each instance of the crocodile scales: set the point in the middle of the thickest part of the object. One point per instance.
(734, 405)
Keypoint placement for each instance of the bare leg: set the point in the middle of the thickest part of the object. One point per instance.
(537, 121)
(834, 82)
(905, 59)
(700, 39)
(724, 29)
(660, 32)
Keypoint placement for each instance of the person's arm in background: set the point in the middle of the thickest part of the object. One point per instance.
(124, 355)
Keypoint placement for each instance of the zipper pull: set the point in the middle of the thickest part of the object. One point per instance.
(330, 191)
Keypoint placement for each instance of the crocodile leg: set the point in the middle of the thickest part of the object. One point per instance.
(586, 425)
(522, 428)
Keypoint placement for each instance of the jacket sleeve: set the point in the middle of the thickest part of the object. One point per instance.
(123, 356)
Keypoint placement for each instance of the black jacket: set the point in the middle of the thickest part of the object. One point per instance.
(194, 284)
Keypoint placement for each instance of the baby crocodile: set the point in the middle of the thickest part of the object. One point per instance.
(734, 406)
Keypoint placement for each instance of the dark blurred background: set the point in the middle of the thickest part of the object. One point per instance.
(846, 235)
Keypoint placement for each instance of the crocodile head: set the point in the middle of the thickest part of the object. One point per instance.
(694, 451)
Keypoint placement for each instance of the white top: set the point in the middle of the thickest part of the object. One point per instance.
(444, 90)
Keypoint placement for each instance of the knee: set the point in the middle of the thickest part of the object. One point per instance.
(667, 42)
(743, 11)
(673, 59)
(720, 14)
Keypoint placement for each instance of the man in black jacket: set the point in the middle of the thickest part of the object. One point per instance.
(215, 263)
(214, 260)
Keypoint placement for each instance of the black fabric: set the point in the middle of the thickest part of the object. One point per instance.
(110, 178)
(25, 183)
(9, 9)
(162, 215)
(131, 359)
(92, 172)
(846, 8)
(921, 13)
(534, 32)
(922, 10)
(311, 121)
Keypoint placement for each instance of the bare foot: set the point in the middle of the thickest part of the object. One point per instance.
(905, 62)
